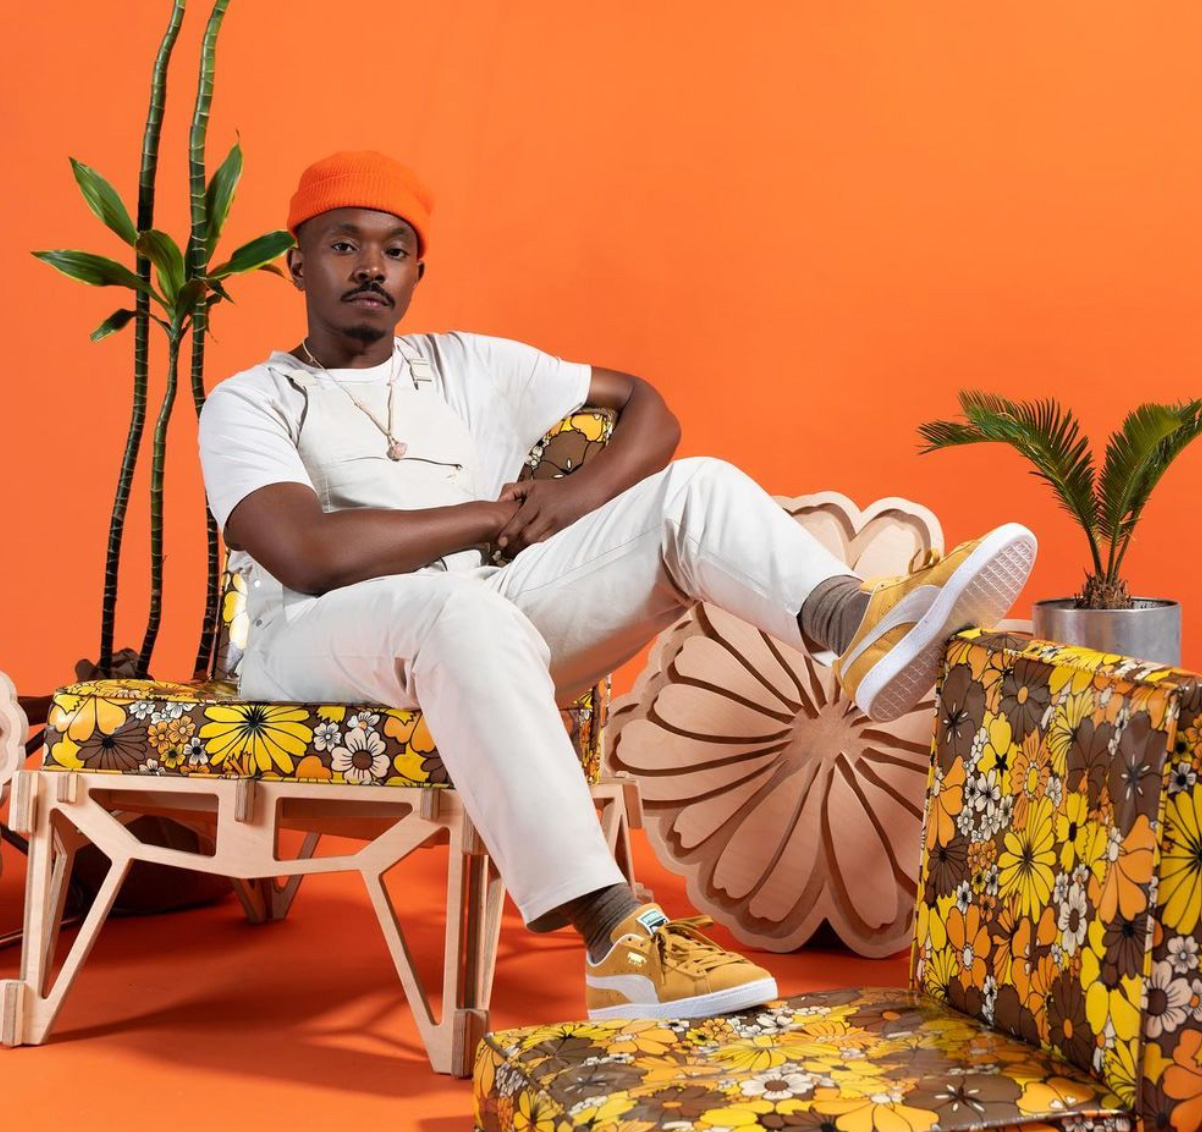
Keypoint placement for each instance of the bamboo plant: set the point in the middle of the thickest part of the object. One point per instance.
(133, 439)
(183, 290)
(200, 247)
(1107, 504)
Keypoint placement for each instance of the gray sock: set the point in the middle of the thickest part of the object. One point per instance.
(596, 914)
(832, 613)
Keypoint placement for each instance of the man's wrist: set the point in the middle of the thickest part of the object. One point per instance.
(592, 491)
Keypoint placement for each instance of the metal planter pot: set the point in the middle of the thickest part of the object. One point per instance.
(1150, 631)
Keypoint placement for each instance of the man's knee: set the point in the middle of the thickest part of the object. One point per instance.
(475, 623)
(693, 475)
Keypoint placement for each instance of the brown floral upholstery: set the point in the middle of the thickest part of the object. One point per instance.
(155, 727)
(855, 1060)
(1055, 978)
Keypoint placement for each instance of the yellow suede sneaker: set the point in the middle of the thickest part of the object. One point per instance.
(894, 657)
(661, 968)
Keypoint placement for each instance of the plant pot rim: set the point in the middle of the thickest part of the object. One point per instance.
(1142, 605)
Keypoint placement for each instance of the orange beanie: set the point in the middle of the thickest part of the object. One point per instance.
(363, 179)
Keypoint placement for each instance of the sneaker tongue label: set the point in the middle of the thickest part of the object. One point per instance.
(651, 919)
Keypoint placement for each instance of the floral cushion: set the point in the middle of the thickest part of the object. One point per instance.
(148, 727)
(1060, 897)
(837, 1061)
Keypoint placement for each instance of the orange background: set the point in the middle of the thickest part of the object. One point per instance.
(809, 224)
(808, 227)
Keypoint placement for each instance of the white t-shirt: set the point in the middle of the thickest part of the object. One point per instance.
(508, 394)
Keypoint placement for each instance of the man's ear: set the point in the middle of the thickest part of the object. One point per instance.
(296, 267)
(421, 270)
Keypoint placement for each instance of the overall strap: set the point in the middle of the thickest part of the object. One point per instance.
(421, 370)
(302, 380)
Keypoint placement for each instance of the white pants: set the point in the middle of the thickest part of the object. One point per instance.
(488, 653)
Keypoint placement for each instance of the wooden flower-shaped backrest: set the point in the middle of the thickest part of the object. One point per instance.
(786, 810)
(1060, 897)
(571, 443)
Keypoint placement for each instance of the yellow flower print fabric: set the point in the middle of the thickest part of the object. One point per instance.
(1055, 976)
(861, 1060)
(155, 727)
(144, 727)
(1061, 887)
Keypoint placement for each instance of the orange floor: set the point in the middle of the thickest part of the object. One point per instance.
(200, 1020)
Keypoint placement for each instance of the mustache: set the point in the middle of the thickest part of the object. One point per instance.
(379, 294)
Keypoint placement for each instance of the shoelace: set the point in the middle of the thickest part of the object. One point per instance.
(927, 559)
(922, 560)
(682, 940)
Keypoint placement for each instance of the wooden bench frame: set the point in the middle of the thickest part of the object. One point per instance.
(240, 821)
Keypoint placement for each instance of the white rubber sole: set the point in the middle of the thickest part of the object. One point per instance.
(980, 592)
(699, 1006)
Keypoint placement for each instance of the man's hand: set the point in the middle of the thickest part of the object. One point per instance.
(545, 506)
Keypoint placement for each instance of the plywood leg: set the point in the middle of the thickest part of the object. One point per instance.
(282, 895)
(620, 811)
(65, 842)
(254, 897)
(267, 898)
(474, 896)
(32, 1002)
(402, 960)
(490, 935)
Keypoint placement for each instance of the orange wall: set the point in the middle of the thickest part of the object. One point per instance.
(809, 224)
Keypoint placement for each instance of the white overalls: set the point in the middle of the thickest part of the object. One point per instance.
(488, 651)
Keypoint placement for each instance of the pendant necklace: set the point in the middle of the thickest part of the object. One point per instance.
(396, 448)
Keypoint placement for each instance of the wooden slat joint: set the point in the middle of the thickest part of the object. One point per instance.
(21, 812)
(66, 788)
(13, 1001)
(430, 805)
(245, 792)
(472, 843)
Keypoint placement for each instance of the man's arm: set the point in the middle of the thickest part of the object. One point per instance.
(283, 527)
(644, 437)
(643, 441)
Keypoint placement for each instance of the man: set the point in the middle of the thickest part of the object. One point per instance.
(363, 476)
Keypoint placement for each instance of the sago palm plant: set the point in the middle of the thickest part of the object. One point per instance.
(1107, 504)
(183, 290)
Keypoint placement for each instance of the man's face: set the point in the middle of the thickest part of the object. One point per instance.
(358, 268)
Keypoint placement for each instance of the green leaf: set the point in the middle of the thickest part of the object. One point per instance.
(95, 270)
(1189, 428)
(274, 269)
(219, 288)
(103, 200)
(186, 299)
(219, 196)
(948, 434)
(115, 321)
(261, 250)
(1046, 434)
(164, 253)
(1130, 454)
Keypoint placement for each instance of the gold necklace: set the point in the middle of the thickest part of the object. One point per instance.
(396, 448)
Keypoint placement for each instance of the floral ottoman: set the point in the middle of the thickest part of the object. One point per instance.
(1055, 979)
